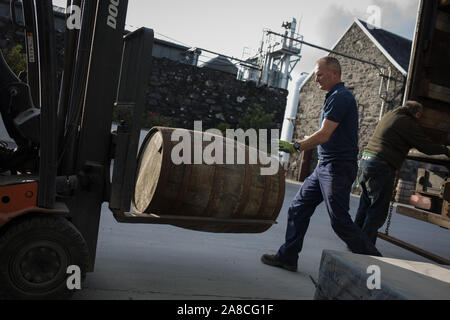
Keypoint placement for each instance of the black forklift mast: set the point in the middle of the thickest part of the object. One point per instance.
(48, 102)
(131, 95)
(87, 147)
(65, 94)
(107, 70)
(78, 45)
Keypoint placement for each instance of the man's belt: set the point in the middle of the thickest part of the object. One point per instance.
(368, 156)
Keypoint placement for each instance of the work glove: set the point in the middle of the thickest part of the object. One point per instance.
(286, 146)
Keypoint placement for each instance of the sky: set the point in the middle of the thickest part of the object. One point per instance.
(227, 27)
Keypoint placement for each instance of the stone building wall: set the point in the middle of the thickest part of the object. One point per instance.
(363, 79)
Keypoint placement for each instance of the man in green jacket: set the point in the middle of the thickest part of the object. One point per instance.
(396, 133)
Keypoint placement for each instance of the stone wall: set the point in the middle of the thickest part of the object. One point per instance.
(363, 79)
(9, 35)
(190, 94)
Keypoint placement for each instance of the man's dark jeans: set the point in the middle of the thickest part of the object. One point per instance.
(376, 178)
(330, 182)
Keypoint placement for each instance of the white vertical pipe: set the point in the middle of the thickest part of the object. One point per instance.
(285, 72)
(287, 131)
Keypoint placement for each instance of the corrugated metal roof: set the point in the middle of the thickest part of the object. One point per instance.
(170, 44)
(222, 64)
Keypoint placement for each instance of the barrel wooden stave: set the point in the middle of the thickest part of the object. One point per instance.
(219, 190)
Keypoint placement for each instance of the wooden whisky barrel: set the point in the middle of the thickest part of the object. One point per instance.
(224, 195)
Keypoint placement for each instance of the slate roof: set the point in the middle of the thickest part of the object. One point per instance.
(396, 48)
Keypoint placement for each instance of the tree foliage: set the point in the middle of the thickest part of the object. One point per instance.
(16, 59)
(256, 118)
(148, 119)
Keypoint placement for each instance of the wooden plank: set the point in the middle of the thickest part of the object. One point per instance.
(429, 182)
(439, 160)
(424, 216)
(438, 64)
(438, 157)
(446, 209)
(416, 250)
(131, 217)
(443, 21)
(435, 119)
(439, 92)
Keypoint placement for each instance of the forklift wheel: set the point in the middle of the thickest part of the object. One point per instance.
(35, 252)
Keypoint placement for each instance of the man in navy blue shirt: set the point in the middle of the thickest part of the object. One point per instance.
(331, 181)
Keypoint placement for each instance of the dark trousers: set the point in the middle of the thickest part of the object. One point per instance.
(330, 182)
(376, 178)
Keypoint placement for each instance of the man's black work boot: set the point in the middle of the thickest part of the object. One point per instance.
(272, 260)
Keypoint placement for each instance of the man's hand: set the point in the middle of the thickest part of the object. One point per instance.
(286, 146)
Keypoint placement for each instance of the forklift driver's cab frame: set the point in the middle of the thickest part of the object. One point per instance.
(52, 207)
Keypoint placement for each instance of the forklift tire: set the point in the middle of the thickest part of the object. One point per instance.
(35, 253)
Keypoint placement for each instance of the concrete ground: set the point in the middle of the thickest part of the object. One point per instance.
(164, 262)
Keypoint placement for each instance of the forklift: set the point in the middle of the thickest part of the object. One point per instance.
(54, 181)
(68, 160)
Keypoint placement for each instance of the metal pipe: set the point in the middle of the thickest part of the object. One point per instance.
(287, 130)
(378, 66)
(70, 45)
(416, 250)
(68, 155)
(251, 65)
(380, 92)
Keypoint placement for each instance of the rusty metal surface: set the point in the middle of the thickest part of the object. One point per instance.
(60, 208)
